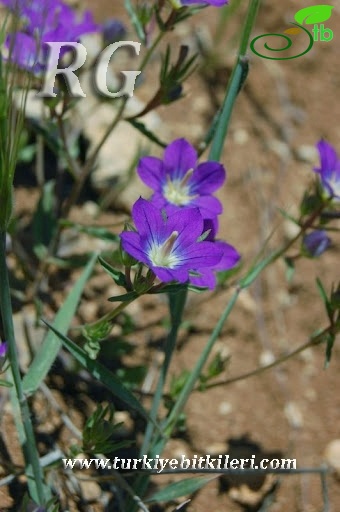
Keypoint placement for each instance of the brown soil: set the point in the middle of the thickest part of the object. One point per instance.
(292, 410)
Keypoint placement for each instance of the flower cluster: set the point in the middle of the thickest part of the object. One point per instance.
(176, 228)
(43, 21)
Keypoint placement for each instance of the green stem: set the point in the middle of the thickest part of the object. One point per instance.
(32, 465)
(194, 375)
(150, 445)
(235, 83)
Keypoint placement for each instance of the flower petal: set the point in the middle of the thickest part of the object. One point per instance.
(205, 279)
(328, 159)
(188, 222)
(209, 206)
(207, 178)
(148, 221)
(179, 157)
(230, 256)
(201, 255)
(151, 171)
(170, 274)
(131, 243)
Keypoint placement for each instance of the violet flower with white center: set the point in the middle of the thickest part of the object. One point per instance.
(169, 246)
(179, 181)
(315, 243)
(329, 171)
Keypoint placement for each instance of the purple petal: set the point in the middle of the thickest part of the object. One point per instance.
(212, 225)
(205, 279)
(188, 222)
(201, 255)
(151, 171)
(328, 159)
(131, 243)
(230, 256)
(209, 206)
(148, 221)
(179, 157)
(316, 242)
(170, 274)
(207, 178)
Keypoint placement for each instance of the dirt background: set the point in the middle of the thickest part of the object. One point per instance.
(292, 410)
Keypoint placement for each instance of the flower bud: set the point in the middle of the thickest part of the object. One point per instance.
(315, 243)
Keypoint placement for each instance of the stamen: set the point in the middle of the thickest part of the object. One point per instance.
(166, 248)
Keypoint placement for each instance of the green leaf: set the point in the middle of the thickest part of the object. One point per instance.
(179, 489)
(44, 220)
(144, 130)
(290, 268)
(94, 231)
(100, 372)
(329, 347)
(135, 20)
(5, 384)
(324, 298)
(47, 353)
(314, 14)
(125, 297)
(117, 276)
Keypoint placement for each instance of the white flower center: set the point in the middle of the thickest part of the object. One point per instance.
(177, 191)
(334, 183)
(162, 255)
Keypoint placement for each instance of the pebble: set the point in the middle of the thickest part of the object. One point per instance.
(293, 414)
(225, 408)
(307, 153)
(332, 455)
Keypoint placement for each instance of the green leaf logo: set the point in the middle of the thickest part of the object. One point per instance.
(314, 14)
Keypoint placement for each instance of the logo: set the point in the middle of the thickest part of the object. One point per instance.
(314, 17)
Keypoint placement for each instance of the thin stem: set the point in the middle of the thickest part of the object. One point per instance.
(312, 342)
(29, 446)
(235, 83)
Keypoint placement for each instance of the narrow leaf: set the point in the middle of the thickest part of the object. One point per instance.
(125, 297)
(116, 275)
(45, 357)
(144, 130)
(99, 372)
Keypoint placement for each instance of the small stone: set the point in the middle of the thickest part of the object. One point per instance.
(91, 491)
(293, 414)
(280, 148)
(225, 408)
(216, 449)
(307, 153)
(266, 357)
(332, 455)
(240, 136)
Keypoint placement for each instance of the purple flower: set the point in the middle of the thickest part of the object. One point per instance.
(170, 246)
(315, 243)
(3, 349)
(329, 171)
(179, 182)
(44, 21)
(3, 353)
(181, 3)
(113, 31)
